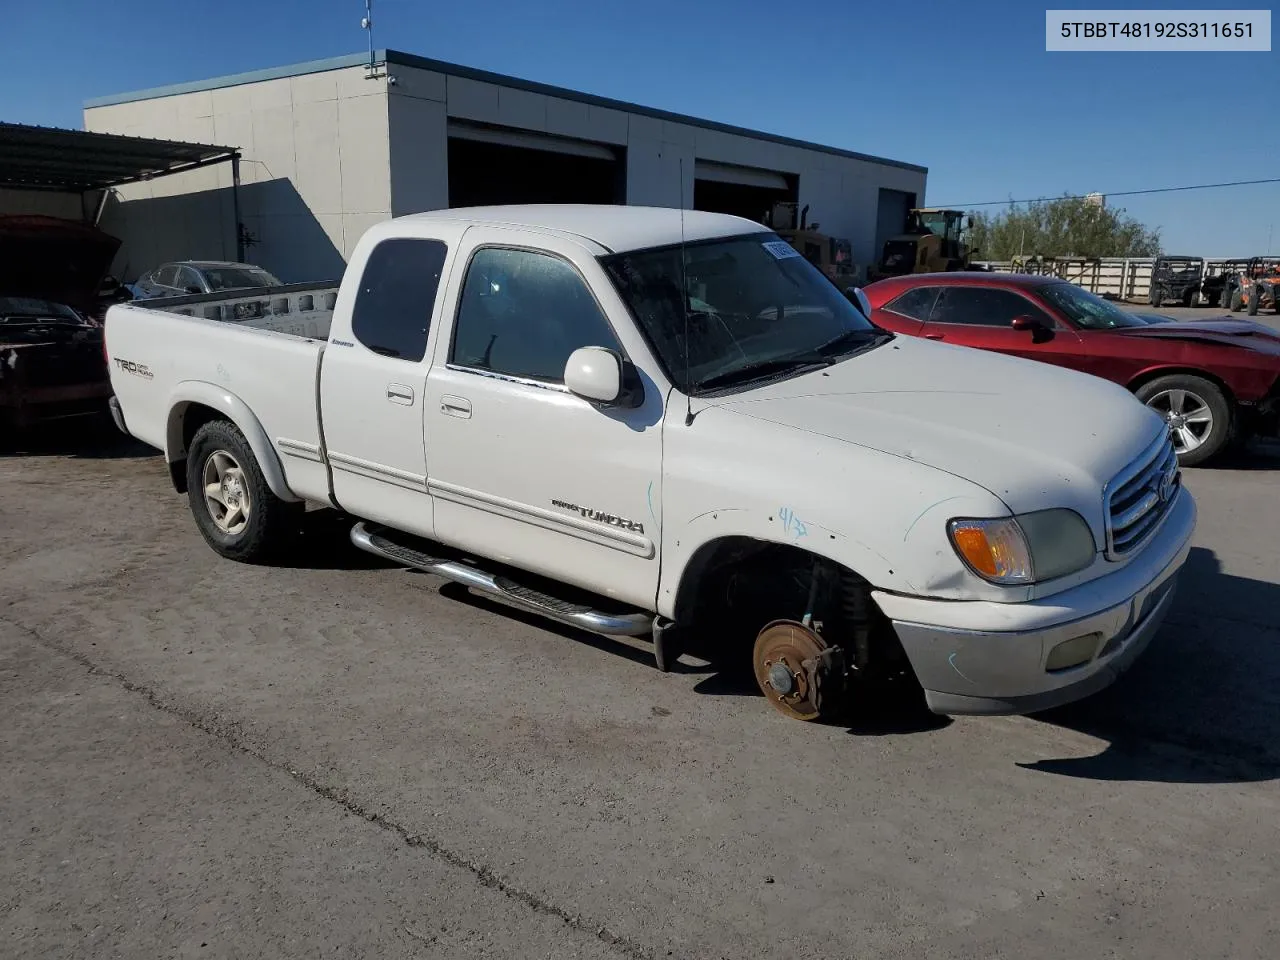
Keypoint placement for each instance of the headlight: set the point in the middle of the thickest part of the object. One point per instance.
(1029, 548)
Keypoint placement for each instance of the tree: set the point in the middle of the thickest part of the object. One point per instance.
(1065, 227)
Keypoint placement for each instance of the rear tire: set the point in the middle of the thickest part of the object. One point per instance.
(1236, 301)
(234, 508)
(1254, 296)
(1199, 415)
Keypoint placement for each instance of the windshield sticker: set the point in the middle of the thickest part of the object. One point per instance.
(780, 249)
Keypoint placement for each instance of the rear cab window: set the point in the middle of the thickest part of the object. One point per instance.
(397, 296)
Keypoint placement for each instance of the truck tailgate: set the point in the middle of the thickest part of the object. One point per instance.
(161, 361)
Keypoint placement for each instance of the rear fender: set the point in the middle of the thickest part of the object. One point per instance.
(230, 407)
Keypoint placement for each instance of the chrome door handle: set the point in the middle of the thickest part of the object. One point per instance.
(399, 393)
(455, 407)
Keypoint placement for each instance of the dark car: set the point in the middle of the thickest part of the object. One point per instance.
(182, 279)
(1212, 380)
(52, 363)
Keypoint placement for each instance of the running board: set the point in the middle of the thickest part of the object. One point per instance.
(374, 541)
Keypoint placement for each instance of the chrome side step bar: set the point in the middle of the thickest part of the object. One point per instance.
(374, 540)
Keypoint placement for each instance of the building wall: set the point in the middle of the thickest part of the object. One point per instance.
(44, 202)
(327, 154)
(842, 192)
(314, 173)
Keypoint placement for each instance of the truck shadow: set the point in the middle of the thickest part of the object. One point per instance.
(637, 650)
(1202, 705)
(82, 438)
(324, 543)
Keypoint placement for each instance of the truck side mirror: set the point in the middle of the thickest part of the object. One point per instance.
(600, 375)
(859, 300)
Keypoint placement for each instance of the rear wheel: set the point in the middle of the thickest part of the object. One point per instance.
(1237, 301)
(1255, 295)
(235, 510)
(1197, 412)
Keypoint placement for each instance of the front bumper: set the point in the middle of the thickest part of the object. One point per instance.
(981, 657)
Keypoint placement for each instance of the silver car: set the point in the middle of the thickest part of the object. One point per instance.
(189, 277)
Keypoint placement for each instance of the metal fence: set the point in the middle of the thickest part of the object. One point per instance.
(1121, 278)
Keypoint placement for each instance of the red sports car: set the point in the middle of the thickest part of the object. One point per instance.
(1212, 380)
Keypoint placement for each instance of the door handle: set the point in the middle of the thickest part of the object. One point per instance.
(399, 393)
(933, 336)
(455, 407)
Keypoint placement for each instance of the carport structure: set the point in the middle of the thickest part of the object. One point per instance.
(52, 159)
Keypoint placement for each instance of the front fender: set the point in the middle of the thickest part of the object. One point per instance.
(880, 516)
(231, 407)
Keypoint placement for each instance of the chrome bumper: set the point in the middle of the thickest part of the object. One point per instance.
(1003, 668)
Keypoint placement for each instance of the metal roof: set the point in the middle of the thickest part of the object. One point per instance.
(51, 158)
(485, 76)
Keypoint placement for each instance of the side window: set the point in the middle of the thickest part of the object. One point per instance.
(188, 278)
(392, 313)
(915, 303)
(166, 276)
(522, 314)
(984, 307)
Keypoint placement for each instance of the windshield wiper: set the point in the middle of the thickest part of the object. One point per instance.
(766, 368)
(859, 339)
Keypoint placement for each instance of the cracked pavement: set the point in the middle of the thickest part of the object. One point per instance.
(207, 759)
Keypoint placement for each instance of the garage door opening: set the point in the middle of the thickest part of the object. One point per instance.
(491, 166)
(740, 191)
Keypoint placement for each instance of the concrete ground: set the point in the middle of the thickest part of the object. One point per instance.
(203, 759)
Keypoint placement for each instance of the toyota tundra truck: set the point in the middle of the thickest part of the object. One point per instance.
(668, 424)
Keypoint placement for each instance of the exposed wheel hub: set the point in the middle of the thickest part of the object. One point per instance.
(793, 665)
(232, 490)
(781, 678)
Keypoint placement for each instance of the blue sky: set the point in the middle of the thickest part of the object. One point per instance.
(964, 89)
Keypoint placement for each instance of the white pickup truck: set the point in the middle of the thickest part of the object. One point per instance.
(652, 423)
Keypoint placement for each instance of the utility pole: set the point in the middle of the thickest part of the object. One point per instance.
(367, 25)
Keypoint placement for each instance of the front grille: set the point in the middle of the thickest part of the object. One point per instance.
(1139, 497)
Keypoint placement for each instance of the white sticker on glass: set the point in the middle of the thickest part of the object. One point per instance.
(781, 249)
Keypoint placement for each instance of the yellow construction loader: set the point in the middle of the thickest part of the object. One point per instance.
(932, 241)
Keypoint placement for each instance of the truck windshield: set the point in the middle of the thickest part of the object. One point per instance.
(753, 308)
(1086, 309)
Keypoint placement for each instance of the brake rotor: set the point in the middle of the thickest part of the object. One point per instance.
(781, 649)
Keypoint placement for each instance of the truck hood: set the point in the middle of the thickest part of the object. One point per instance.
(1248, 334)
(1033, 434)
(54, 259)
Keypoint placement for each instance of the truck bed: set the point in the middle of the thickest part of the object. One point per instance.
(261, 372)
(302, 309)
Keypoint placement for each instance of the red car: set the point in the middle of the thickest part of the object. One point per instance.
(1212, 380)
